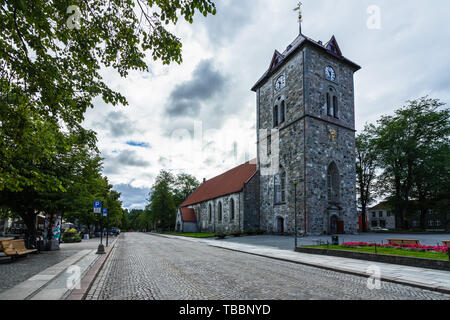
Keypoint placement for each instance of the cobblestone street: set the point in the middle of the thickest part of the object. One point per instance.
(143, 267)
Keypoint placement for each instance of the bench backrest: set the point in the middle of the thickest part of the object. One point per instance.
(406, 241)
(19, 244)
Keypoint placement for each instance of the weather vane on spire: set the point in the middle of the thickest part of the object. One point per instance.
(299, 9)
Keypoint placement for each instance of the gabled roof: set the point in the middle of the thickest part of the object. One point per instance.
(331, 47)
(276, 59)
(188, 215)
(381, 206)
(227, 183)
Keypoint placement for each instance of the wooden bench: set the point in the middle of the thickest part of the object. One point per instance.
(403, 241)
(446, 242)
(15, 248)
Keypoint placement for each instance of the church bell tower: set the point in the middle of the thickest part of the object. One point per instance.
(306, 139)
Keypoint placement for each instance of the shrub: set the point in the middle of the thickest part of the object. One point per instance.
(236, 234)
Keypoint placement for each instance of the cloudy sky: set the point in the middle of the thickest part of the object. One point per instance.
(199, 117)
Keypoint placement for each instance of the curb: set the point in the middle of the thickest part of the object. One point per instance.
(88, 279)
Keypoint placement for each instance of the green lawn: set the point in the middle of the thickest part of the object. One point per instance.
(192, 235)
(389, 251)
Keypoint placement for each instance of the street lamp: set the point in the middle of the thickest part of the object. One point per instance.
(295, 210)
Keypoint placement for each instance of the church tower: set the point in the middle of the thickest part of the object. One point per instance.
(306, 140)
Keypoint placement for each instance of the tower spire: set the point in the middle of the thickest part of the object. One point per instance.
(299, 9)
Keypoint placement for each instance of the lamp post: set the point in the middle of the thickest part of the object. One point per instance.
(295, 211)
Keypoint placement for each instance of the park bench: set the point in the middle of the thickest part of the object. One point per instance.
(446, 242)
(404, 241)
(15, 248)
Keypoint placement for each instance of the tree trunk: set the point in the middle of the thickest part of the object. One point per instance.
(29, 218)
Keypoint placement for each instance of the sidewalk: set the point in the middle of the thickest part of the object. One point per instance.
(435, 280)
(56, 282)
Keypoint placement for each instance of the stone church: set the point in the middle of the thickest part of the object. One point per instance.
(304, 175)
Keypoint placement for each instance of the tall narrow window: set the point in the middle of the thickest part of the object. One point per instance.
(335, 106)
(283, 187)
(269, 145)
(219, 215)
(277, 189)
(282, 112)
(333, 183)
(328, 104)
(210, 214)
(232, 209)
(275, 116)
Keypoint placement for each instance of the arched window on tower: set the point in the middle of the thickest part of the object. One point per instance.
(219, 212)
(333, 184)
(275, 116)
(335, 106)
(282, 112)
(332, 103)
(210, 214)
(232, 209)
(280, 187)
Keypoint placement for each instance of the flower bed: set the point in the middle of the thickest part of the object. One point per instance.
(403, 246)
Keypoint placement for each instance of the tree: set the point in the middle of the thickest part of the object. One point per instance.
(162, 205)
(406, 145)
(50, 64)
(184, 186)
(51, 51)
(365, 170)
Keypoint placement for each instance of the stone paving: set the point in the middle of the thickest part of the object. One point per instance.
(13, 272)
(146, 267)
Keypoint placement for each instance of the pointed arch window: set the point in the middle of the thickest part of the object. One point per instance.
(210, 213)
(232, 209)
(282, 112)
(280, 187)
(219, 215)
(333, 183)
(332, 103)
(275, 116)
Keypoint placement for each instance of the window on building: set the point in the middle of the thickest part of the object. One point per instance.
(232, 209)
(374, 214)
(374, 223)
(430, 212)
(382, 223)
(380, 214)
(282, 112)
(277, 188)
(210, 214)
(332, 103)
(275, 116)
(283, 186)
(219, 212)
(333, 183)
(335, 106)
(269, 145)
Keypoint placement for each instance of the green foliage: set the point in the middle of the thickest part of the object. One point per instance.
(413, 152)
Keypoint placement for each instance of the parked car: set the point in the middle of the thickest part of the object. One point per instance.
(379, 229)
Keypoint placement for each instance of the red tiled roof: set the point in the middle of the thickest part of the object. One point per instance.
(188, 215)
(230, 182)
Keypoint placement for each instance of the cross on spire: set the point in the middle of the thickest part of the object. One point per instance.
(299, 9)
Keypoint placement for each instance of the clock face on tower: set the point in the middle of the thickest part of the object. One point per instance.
(280, 83)
(330, 73)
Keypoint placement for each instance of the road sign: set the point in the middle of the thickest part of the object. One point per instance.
(105, 212)
(97, 206)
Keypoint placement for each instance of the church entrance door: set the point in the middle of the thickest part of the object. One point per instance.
(280, 225)
(333, 224)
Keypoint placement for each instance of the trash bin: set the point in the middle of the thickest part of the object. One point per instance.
(335, 240)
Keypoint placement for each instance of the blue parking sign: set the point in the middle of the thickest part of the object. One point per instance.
(97, 206)
(105, 212)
